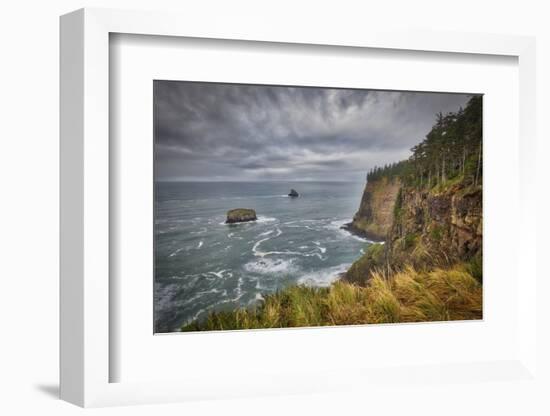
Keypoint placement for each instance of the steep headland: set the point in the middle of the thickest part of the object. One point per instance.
(429, 228)
(374, 218)
(435, 199)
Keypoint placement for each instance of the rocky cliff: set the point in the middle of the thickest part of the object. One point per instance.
(374, 218)
(429, 227)
(427, 208)
(436, 227)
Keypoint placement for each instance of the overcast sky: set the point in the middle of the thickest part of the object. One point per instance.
(221, 132)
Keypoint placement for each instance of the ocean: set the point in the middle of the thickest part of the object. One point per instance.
(203, 264)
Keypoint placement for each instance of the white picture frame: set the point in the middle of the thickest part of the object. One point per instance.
(85, 307)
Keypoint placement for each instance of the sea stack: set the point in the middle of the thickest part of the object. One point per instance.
(293, 193)
(240, 215)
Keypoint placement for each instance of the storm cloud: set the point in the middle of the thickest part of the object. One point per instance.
(222, 132)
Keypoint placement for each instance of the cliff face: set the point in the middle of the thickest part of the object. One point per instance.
(374, 218)
(427, 227)
(436, 228)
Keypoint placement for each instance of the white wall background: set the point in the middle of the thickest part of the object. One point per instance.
(29, 189)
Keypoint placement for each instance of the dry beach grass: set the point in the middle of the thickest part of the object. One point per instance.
(407, 296)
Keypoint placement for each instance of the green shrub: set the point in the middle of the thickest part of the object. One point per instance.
(436, 233)
(409, 241)
(397, 207)
(360, 270)
(475, 267)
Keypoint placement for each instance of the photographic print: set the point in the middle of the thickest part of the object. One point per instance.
(288, 206)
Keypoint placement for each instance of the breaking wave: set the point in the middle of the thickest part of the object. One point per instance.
(323, 277)
(270, 266)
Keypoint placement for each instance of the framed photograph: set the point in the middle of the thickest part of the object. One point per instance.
(240, 209)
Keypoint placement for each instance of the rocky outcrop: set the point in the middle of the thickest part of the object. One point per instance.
(429, 228)
(374, 218)
(293, 193)
(240, 215)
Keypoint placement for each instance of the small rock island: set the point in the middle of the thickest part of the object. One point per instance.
(240, 215)
(293, 193)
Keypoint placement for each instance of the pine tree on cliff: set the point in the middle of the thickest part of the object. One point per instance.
(451, 149)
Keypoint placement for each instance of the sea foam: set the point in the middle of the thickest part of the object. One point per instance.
(323, 277)
(261, 219)
(270, 266)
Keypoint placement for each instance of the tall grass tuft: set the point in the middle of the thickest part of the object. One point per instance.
(410, 295)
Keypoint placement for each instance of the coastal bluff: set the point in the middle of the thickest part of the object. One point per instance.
(240, 215)
(427, 228)
(374, 218)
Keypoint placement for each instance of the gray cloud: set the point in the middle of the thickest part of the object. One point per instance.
(207, 131)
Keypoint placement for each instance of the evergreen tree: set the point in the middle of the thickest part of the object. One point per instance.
(452, 149)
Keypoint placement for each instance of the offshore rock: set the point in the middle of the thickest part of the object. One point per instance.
(240, 215)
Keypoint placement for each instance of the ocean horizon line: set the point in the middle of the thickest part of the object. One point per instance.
(267, 181)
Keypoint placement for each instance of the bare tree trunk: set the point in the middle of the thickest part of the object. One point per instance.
(478, 166)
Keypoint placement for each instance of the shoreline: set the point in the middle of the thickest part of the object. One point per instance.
(371, 237)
